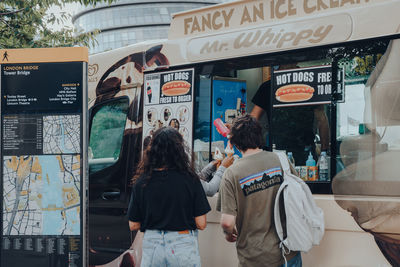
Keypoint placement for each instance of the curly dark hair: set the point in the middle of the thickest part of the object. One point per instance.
(146, 142)
(166, 150)
(246, 133)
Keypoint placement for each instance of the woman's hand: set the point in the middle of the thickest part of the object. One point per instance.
(201, 222)
(133, 226)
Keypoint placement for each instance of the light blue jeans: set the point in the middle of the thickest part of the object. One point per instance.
(170, 249)
(294, 262)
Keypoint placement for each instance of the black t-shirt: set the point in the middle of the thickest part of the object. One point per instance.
(262, 98)
(292, 127)
(169, 200)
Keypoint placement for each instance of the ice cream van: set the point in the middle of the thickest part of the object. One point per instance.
(318, 75)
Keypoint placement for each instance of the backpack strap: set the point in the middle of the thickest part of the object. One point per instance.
(284, 161)
(279, 195)
(277, 216)
(284, 253)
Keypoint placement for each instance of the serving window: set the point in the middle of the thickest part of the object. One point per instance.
(335, 102)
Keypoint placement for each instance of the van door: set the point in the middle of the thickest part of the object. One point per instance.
(108, 197)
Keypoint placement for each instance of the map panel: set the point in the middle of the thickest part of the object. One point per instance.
(61, 134)
(41, 195)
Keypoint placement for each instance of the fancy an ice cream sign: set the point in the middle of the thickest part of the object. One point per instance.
(264, 26)
(256, 12)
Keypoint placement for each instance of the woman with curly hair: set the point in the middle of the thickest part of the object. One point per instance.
(168, 203)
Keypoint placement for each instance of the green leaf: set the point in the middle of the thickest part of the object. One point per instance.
(29, 25)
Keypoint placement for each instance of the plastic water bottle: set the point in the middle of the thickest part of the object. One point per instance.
(291, 158)
(311, 168)
(221, 128)
(310, 161)
(323, 167)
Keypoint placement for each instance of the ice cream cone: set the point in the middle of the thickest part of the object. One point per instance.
(229, 150)
(218, 156)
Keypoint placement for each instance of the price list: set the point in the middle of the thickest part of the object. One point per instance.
(22, 134)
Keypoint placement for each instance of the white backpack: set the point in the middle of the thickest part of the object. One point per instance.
(304, 219)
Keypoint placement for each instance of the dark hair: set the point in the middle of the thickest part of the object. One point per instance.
(246, 133)
(146, 142)
(166, 150)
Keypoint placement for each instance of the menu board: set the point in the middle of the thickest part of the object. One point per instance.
(169, 102)
(302, 86)
(43, 164)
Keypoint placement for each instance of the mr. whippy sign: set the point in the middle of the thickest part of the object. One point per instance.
(302, 86)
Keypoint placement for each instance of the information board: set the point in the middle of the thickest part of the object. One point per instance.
(169, 102)
(43, 160)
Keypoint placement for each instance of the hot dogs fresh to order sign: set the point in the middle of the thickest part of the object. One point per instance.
(302, 86)
(168, 101)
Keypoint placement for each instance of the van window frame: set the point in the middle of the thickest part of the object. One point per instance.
(93, 111)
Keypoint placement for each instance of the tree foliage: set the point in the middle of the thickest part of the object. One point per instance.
(26, 24)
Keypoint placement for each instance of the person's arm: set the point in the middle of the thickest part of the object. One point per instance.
(134, 226)
(201, 222)
(323, 126)
(200, 205)
(212, 187)
(134, 211)
(227, 206)
(228, 226)
(257, 112)
(208, 170)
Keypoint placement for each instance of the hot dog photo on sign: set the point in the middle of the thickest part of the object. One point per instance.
(302, 86)
(294, 93)
(175, 88)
